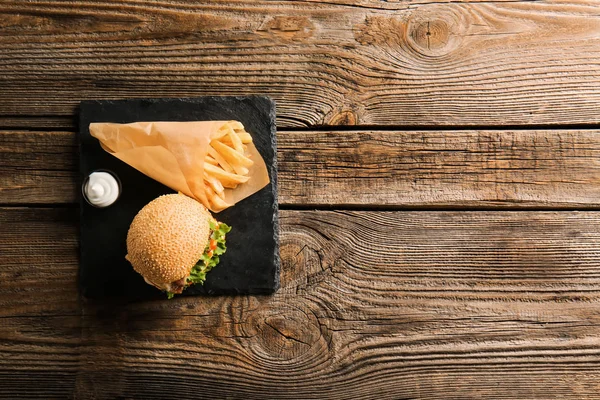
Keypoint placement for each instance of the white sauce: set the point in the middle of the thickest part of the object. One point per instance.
(102, 189)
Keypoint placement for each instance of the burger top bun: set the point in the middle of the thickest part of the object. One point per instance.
(167, 238)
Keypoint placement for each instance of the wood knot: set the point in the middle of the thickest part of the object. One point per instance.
(287, 333)
(432, 35)
(435, 31)
(343, 117)
(428, 31)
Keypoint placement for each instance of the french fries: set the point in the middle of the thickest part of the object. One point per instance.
(211, 160)
(226, 165)
(214, 184)
(238, 161)
(220, 160)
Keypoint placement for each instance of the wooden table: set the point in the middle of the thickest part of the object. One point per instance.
(439, 187)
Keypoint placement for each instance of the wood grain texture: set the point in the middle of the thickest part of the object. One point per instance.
(326, 63)
(38, 165)
(441, 168)
(39, 306)
(558, 168)
(38, 260)
(27, 122)
(373, 305)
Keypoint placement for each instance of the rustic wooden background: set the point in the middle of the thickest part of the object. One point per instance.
(439, 190)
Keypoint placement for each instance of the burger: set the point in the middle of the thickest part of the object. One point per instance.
(173, 242)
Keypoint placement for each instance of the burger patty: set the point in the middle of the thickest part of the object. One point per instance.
(177, 286)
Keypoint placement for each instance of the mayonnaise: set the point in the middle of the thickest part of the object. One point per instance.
(101, 189)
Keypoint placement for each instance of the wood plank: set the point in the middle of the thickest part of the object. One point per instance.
(326, 63)
(38, 261)
(373, 305)
(27, 122)
(541, 168)
(38, 167)
(39, 306)
(441, 168)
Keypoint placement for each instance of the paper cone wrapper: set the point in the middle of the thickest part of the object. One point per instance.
(172, 153)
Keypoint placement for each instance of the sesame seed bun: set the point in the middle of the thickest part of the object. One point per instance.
(167, 238)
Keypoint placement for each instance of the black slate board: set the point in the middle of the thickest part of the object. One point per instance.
(251, 263)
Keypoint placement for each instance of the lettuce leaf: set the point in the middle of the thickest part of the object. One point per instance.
(206, 262)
